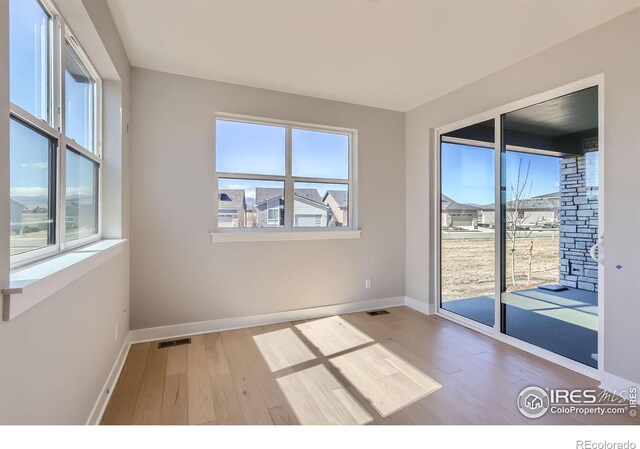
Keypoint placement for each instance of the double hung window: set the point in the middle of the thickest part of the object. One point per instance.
(55, 135)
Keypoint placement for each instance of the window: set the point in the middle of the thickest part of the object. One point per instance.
(32, 189)
(283, 175)
(80, 97)
(30, 57)
(81, 198)
(55, 156)
(250, 148)
(319, 154)
(273, 217)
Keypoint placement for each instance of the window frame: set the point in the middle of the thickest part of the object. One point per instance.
(55, 129)
(288, 179)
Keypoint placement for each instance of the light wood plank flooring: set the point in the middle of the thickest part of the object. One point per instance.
(316, 397)
(222, 378)
(332, 335)
(384, 379)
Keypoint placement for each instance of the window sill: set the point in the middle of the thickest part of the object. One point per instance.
(32, 284)
(280, 236)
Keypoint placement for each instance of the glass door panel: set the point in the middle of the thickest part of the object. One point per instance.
(467, 222)
(549, 214)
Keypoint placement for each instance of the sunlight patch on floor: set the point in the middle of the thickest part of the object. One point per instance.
(384, 379)
(573, 316)
(282, 349)
(332, 335)
(316, 397)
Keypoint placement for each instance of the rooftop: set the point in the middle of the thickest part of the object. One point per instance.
(264, 194)
(231, 199)
(340, 196)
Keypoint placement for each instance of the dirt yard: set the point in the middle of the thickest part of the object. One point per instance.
(468, 267)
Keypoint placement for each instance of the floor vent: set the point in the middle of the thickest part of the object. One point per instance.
(377, 312)
(169, 344)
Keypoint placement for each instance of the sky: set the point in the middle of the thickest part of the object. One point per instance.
(250, 148)
(28, 80)
(260, 149)
(468, 173)
(28, 61)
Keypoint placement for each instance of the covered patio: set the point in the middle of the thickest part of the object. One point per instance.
(564, 322)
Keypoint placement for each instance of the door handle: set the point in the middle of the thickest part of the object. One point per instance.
(597, 248)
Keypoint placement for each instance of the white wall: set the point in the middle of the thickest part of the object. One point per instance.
(612, 48)
(55, 358)
(179, 276)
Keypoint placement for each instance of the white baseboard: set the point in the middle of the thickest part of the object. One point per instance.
(107, 389)
(202, 327)
(617, 385)
(422, 307)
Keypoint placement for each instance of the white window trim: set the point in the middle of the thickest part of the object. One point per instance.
(276, 235)
(289, 231)
(33, 284)
(59, 33)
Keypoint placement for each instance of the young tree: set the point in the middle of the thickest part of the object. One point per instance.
(516, 214)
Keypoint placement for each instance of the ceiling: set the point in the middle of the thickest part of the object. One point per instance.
(569, 114)
(388, 54)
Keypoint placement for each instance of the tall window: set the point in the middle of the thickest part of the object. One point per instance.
(55, 154)
(283, 175)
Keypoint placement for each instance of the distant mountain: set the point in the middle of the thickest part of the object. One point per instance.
(81, 199)
(31, 202)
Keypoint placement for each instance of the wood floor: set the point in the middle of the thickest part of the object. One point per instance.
(222, 378)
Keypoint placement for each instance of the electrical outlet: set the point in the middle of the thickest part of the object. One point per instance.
(367, 283)
(115, 333)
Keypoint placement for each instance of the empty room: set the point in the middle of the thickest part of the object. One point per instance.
(365, 212)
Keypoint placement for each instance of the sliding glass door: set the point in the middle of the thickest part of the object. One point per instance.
(519, 218)
(467, 219)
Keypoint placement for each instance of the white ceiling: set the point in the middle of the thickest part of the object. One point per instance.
(389, 54)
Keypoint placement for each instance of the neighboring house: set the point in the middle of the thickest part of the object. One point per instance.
(539, 210)
(16, 216)
(458, 214)
(231, 208)
(308, 208)
(338, 202)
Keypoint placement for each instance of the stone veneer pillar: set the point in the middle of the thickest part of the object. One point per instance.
(578, 221)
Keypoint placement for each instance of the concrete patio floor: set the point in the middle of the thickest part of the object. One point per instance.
(564, 322)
